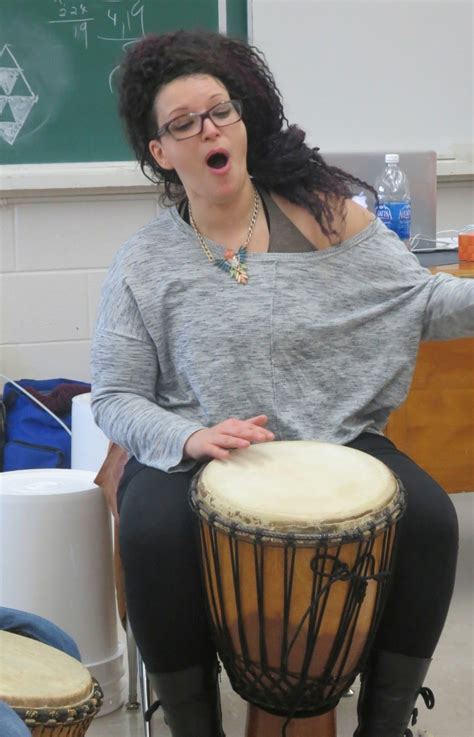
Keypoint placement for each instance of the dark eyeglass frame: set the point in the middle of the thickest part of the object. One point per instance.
(203, 116)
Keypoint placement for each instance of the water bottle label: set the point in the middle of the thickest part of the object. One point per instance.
(397, 217)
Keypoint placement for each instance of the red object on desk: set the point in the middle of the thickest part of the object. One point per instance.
(466, 246)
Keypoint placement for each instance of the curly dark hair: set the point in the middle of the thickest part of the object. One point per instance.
(278, 158)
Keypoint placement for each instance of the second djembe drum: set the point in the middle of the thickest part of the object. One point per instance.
(297, 543)
(53, 693)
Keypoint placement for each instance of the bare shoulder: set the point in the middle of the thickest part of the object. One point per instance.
(349, 219)
(357, 219)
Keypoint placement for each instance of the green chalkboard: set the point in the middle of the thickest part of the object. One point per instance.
(58, 61)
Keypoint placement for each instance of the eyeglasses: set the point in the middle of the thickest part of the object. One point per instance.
(189, 125)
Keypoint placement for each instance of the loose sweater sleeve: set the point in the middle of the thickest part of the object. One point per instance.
(125, 370)
(449, 310)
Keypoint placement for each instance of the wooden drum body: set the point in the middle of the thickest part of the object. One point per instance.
(297, 540)
(50, 691)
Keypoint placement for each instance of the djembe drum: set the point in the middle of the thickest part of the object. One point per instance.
(50, 691)
(297, 543)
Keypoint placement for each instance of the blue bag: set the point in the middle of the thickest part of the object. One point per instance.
(34, 439)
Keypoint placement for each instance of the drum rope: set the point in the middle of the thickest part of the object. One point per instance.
(218, 613)
(234, 554)
(343, 574)
(277, 687)
(348, 621)
(359, 575)
(326, 538)
(70, 721)
(259, 579)
(288, 576)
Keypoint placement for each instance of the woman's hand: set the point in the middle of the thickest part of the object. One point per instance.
(215, 442)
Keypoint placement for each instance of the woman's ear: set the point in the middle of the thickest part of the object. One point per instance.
(156, 150)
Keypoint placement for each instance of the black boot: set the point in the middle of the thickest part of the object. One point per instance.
(190, 701)
(388, 693)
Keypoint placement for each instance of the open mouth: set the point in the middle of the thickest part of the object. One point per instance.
(217, 160)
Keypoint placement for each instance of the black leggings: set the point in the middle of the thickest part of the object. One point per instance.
(163, 583)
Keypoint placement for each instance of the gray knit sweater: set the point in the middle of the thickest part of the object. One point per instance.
(324, 342)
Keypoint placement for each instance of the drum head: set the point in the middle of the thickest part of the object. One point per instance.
(298, 486)
(34, 675)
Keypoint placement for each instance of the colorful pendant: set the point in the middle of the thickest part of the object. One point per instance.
(234, 264)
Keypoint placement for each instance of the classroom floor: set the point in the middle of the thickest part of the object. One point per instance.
(451, 676)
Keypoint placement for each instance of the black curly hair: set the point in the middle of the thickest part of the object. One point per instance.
(278, 158)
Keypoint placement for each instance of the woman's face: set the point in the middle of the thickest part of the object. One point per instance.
(190, 157)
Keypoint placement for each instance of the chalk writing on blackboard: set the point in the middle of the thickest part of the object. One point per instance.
(126, 22)
(126, 25)
(121, 21)
(16, 96)
(73, 14)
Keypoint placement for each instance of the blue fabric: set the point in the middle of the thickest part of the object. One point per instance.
(10, 723)
(34, 439)
(39, 628)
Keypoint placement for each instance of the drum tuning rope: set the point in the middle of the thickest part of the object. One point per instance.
(294, 612)
(276, 677)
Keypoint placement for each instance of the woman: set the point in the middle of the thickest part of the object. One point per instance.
(307, 329)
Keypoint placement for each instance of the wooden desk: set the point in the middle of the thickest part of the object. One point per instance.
(435, 426)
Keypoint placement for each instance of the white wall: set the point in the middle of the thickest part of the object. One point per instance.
(361, 75)
(54, 252)
(455, 205)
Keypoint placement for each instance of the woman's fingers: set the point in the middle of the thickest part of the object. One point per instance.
(214, 451)
(215, 442)
(255, 433)
(230, 441)
(240, 437)
(258, 420)
(246, 429)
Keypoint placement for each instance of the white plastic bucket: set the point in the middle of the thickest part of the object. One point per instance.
(56, 561)
(88, 442)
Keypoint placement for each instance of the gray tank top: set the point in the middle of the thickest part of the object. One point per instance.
(284, 236)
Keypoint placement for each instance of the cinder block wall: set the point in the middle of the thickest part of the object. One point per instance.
(54, 252)
(53, 258)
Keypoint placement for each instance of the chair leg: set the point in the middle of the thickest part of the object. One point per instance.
(132, 704)
(145, 692)
(136, 668)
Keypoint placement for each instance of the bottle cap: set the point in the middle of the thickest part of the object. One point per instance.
(392, 158)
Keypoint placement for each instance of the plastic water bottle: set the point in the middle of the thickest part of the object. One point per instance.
(394, 208)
